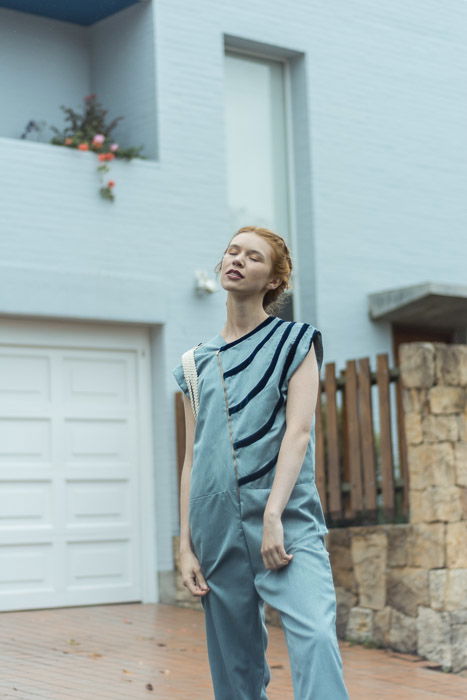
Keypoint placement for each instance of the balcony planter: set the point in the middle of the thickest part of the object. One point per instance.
(90, 132)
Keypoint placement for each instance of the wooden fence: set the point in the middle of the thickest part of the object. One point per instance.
(360, 477)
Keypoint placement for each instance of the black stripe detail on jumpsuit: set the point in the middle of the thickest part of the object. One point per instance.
(265, 378)
(264, 323)
(250, 358)
(261, 432)
(260, 472)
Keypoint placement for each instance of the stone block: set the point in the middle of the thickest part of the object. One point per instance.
(415, 401)
(381, 626)
(426, 546)
(431, 464)
(436, 504)
(462, 423)
(439, 428)
(451, 364)
(413, 428)
(456, 589)
(446, 399)
(338, 536)
(398, 537)
(417, 365)
(407, 588)
(437, 585)
(463, 500)
(459, 617)
(360, 625)
(434, 636)
(456, 545)
(460, 462)
(338, 544)
(369, 555)
(402, 634)
(459, 647)
(345, 601)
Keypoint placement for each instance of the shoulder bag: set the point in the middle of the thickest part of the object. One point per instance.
(191, 377)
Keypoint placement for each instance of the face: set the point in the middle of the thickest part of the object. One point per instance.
(247, 265)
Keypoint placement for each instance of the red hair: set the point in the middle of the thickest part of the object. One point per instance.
(281, 265)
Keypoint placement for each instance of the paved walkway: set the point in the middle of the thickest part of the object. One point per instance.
(121, 652)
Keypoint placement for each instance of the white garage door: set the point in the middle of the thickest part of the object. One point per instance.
(71, 419)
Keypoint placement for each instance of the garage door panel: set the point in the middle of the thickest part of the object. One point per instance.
(95, 380)
(96, 440)
(24, 377)
(26, 567)
(25, 441)
(98, 502)
(99, 564)
(25, 503)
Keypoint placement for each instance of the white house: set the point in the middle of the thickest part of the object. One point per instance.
(340, 125)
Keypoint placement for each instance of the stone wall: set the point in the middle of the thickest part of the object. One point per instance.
(405, 586)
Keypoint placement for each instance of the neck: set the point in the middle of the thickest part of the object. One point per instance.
(242, 316)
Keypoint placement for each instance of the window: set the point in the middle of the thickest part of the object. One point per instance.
(257, 153)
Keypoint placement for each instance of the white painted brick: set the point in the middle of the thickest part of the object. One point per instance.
(386, 141)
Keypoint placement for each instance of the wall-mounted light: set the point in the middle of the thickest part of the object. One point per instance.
(204, 283)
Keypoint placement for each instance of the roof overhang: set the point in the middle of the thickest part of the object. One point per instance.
(429, 304)
(76, 11)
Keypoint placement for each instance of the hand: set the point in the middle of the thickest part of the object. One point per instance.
(272, 547)
(192, 576)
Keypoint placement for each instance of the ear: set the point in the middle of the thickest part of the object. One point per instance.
(274, 283)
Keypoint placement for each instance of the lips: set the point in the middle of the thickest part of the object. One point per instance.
(234, 274)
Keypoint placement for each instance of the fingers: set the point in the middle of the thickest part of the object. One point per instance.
(276, 558)
(196, 583)
(201, 580)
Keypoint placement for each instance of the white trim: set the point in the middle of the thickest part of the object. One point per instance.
(253, 54)
(147, 520)
(291, 182)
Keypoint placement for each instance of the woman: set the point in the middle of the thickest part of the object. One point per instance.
(251, 524)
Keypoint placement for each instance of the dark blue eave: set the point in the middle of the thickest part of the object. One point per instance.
(83, 12)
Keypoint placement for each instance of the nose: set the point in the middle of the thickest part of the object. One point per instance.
(237, 260)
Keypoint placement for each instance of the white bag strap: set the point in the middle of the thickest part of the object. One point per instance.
(191, 377)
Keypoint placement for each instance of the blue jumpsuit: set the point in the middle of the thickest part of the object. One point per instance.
(240, 425)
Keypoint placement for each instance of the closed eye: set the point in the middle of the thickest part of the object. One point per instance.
(251, 257)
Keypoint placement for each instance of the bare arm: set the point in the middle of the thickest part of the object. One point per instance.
(300, 407)
(192, 575)
(185, 541)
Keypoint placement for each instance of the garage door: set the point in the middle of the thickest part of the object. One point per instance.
(71, 416)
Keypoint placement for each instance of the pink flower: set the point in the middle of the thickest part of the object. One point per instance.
(98, 139)
(105, 156)
(114, 147)
(111, 183)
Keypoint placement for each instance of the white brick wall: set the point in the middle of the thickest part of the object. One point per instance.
(379, 111)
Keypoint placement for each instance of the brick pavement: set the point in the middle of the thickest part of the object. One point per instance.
(158, 651)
